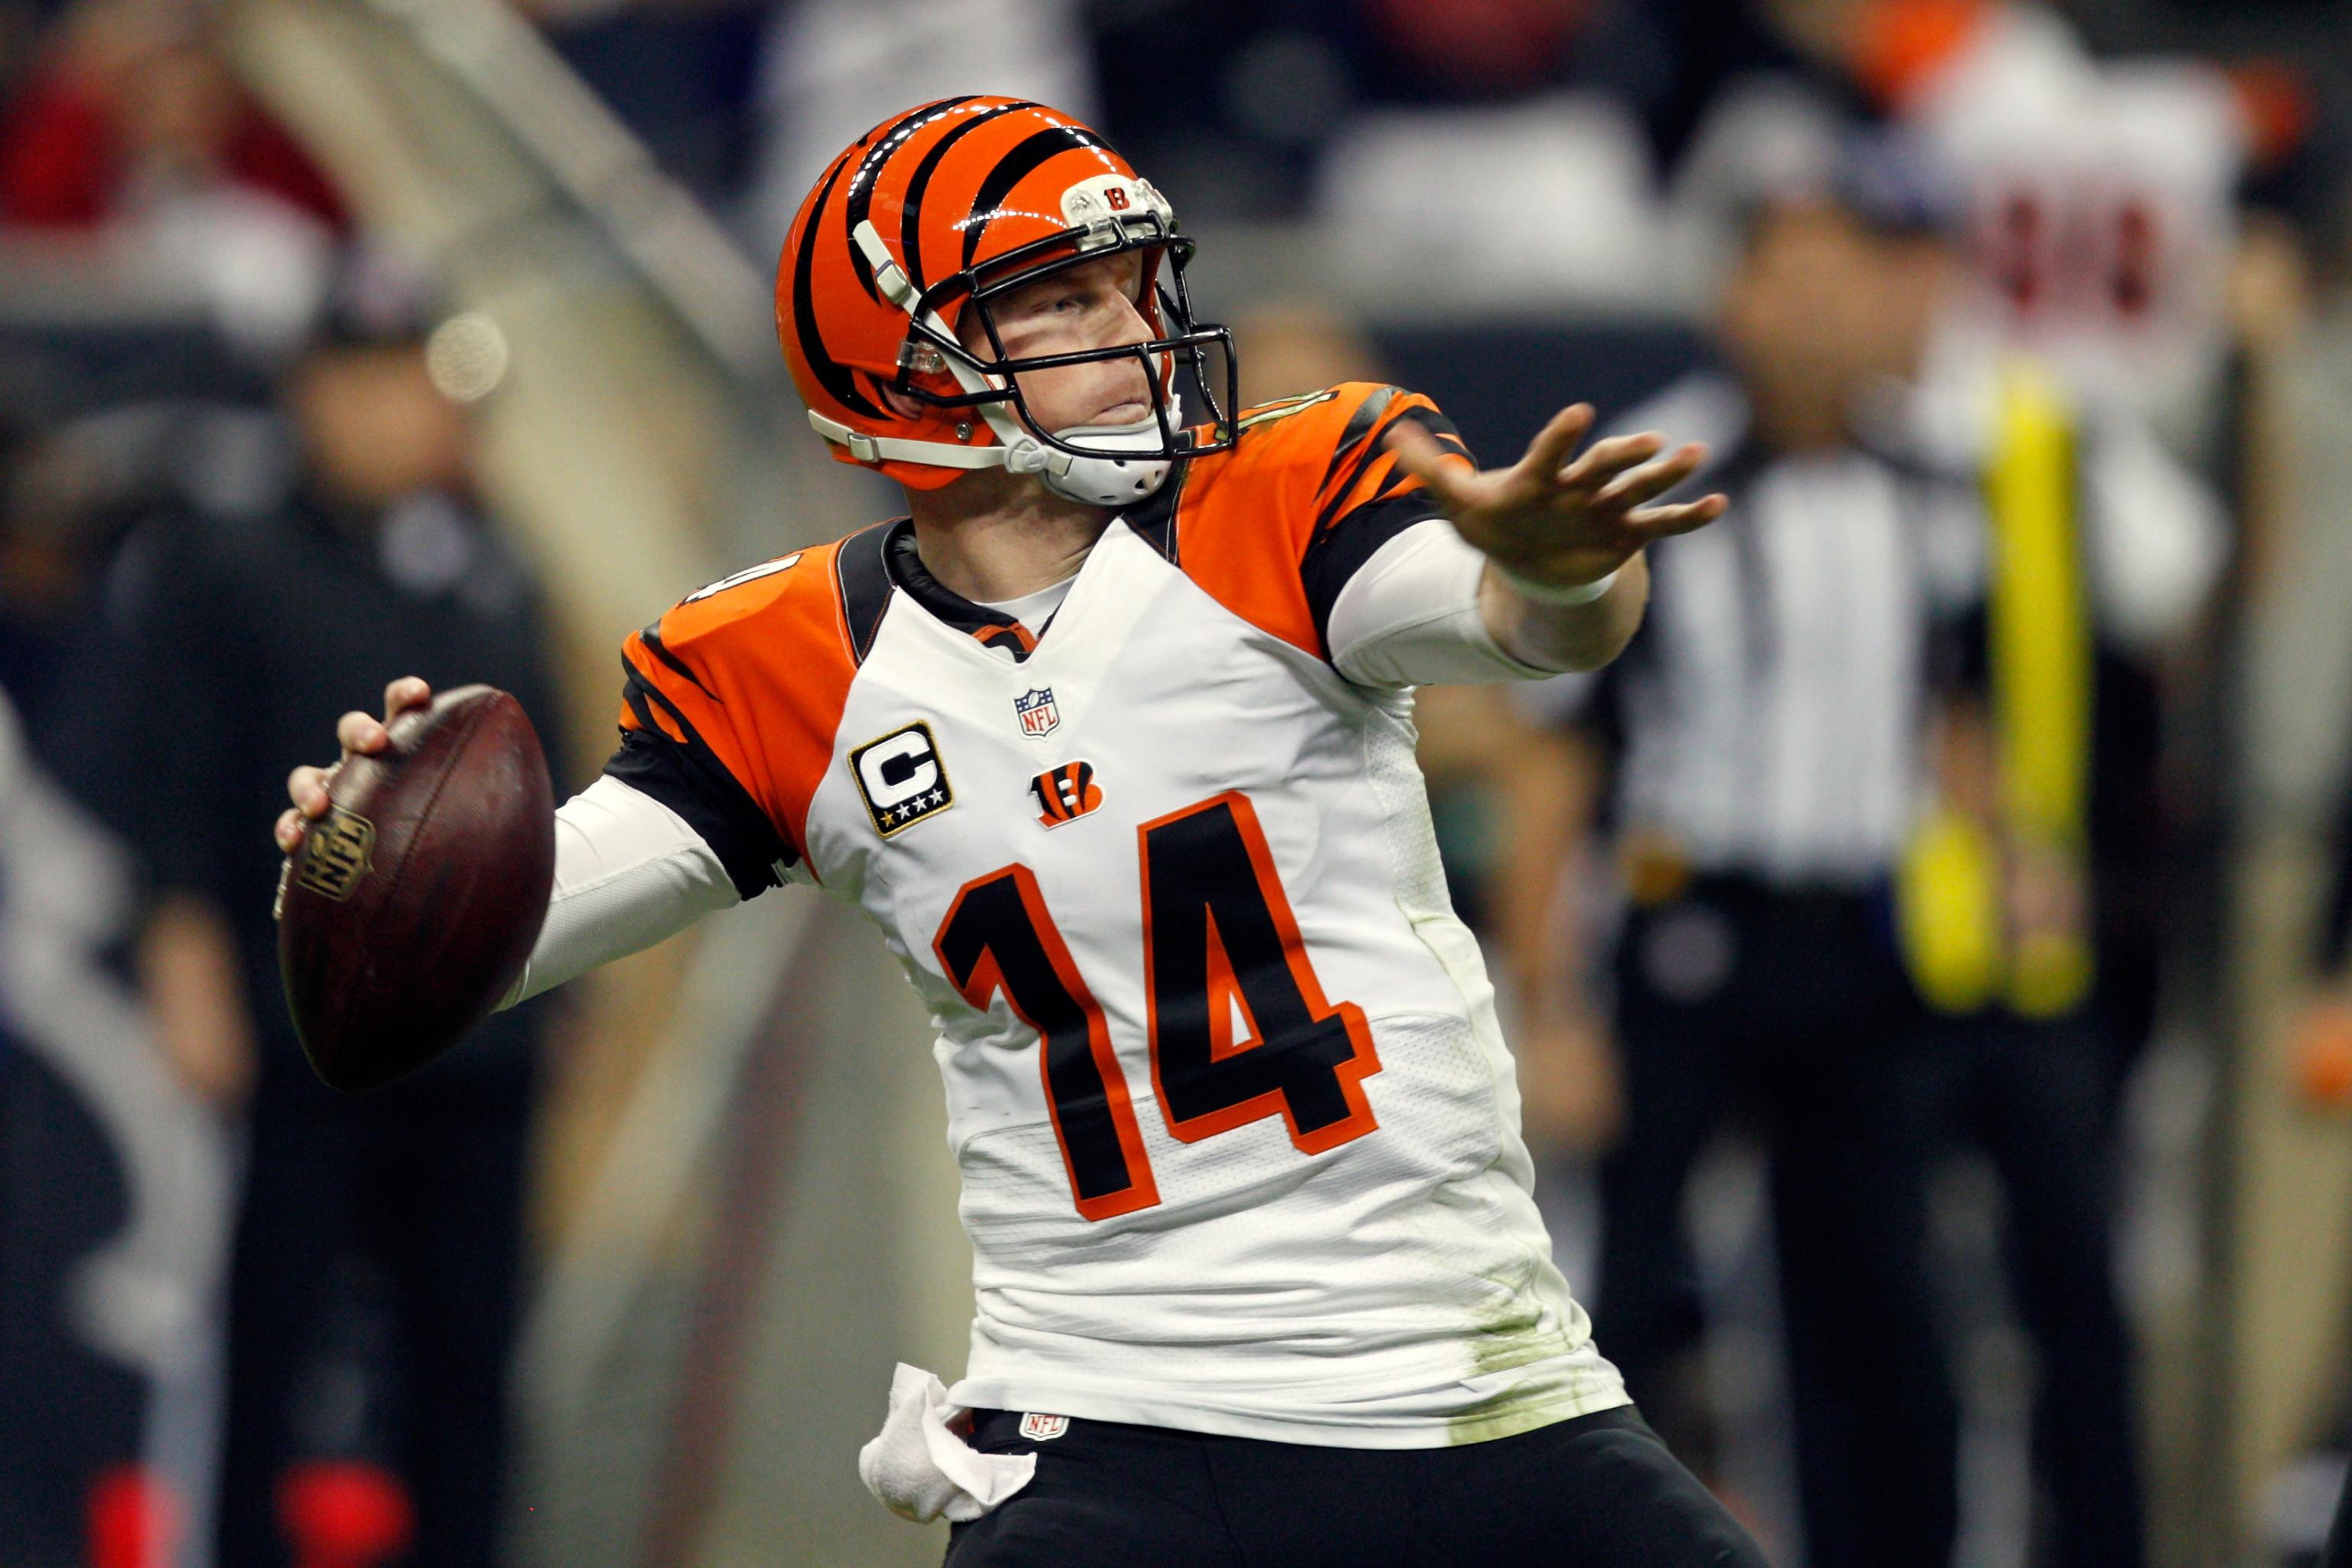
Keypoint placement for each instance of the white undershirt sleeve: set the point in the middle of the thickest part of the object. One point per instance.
(628, 873)
(1410, 617)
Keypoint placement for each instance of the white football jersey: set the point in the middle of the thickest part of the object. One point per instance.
(1238, 1132)
(2102, 206)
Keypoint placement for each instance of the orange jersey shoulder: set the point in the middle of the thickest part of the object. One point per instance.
(1272, 527)
(729, 703)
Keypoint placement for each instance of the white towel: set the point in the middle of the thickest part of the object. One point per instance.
(922, 1470)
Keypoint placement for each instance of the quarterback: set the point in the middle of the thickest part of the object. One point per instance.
(1111, 736)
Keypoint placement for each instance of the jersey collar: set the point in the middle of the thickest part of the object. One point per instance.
(990, 628)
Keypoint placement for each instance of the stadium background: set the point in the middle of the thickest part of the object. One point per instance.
(742, 1209)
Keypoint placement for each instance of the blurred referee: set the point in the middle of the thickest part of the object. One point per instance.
(377, 1261)
(1779, 733)
(1772, 735)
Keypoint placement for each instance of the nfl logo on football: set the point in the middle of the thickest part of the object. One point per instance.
(1037, 711)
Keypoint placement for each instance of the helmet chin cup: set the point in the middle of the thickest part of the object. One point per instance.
(1100, 478)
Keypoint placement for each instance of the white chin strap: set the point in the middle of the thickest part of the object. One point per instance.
(1093, 480)
(1097, 480)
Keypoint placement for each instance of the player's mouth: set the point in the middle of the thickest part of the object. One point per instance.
(1126, 413)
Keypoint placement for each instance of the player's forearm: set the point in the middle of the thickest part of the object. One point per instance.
(628, 874)
(1565, 636)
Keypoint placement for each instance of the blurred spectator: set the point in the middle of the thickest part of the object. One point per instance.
(831, 68)
(114, 1180)
(377, 1260)
(129, 105)
(133, 133)
(2294, 312)
(1235, 103)
(681, 74)
(1516, 206)
(1673, 62)
(2101, 194)
(1481, 50)
(70, 492)
(2098, 195)
(1289, 346)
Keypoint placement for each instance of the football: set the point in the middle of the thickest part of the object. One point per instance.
(410, 908)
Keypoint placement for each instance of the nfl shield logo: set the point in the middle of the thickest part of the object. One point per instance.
(1042, 1428)
(1035, 710)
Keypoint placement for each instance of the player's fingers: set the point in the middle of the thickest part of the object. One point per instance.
(1604, 460)
(1652, 480)
(1418, 454)
(360, 732)
(1664, 522)
(408, 692)
(290, 823)
(1549, 451)
(307, 787)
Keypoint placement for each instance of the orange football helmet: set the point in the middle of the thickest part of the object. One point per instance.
(939, 211)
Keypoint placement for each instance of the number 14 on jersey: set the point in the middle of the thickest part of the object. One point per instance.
(1218, 937)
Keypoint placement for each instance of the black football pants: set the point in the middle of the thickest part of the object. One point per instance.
(2035, 1096)
(1597, 1491)
(1793, 1011)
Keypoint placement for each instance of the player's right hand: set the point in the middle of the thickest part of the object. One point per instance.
(1556, 517)
(360, 735)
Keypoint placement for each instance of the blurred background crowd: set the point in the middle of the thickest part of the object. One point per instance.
(1929, 949)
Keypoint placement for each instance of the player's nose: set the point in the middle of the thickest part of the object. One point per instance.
(1132, 326)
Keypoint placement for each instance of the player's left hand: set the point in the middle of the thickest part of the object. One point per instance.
(1560, 520)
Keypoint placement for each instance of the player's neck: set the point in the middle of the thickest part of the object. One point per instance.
(993, 536)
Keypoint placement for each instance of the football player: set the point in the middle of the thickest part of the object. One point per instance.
(1112, 737)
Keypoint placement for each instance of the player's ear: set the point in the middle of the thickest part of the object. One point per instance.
(903, 406)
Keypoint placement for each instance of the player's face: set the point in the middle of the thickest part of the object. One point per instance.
(1090, 306)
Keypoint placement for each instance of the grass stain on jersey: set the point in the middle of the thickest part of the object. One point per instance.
(1512, 1335)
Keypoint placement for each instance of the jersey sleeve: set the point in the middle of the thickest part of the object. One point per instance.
(1306, 499)
(1411, 616)
(728, 707)
(629, 872)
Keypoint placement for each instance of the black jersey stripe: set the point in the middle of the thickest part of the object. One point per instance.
(861, 576)
(1010, 170)
(1437, 426)
(689, 779)
(1338, 554)
(991, 628)
(654, 645)
(1359, 424)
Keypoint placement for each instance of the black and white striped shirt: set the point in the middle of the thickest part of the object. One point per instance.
(1772, 716)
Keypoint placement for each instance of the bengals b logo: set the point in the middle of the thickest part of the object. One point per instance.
(1066, 794)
